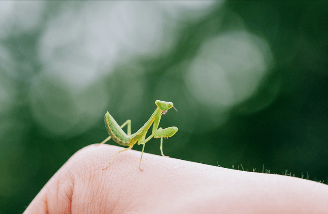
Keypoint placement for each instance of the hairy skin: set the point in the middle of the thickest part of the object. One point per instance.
(168, 185)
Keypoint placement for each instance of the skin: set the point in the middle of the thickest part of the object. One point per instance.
(168, 185)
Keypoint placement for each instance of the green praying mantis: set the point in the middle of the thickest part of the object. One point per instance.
(119, 136)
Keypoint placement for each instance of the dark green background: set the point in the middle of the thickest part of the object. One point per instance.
(288, 132)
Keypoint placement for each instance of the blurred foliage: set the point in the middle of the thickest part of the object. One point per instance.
(249, 80)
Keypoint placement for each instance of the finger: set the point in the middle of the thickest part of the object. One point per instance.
(169, 185)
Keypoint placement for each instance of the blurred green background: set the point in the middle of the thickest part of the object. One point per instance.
(249, 80)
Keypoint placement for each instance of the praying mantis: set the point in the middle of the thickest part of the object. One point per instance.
(127, 139)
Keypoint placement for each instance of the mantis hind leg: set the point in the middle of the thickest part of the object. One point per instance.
(130, 147)
(128, 122)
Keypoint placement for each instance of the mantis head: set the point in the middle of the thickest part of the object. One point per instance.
(164, 106)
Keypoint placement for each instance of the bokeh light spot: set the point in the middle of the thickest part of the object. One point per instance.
(228, 69)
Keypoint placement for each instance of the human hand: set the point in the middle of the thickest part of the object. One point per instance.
(168, 185)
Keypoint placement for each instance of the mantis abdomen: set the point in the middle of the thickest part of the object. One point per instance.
(115, 131)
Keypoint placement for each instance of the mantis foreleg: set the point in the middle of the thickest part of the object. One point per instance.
(159, 133)
(167, 132)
